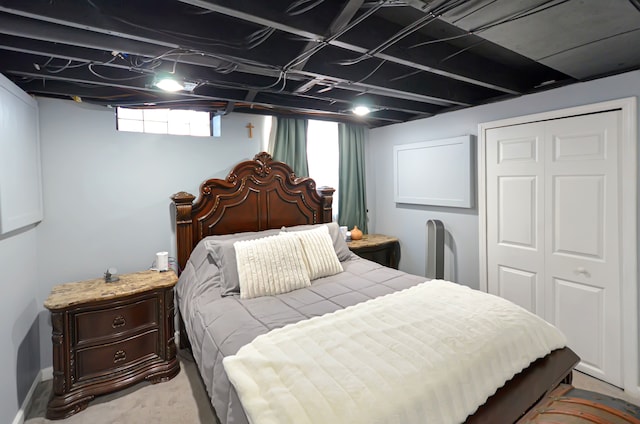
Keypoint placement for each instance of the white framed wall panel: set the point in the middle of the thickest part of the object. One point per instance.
(437, 173)
(20, 172)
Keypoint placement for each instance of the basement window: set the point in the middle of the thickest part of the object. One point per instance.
(164, 121)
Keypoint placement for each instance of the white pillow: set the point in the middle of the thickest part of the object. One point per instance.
(321, 258)
(270, 265)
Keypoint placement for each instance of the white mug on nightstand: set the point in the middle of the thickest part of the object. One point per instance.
(162, 261)
(343, 231)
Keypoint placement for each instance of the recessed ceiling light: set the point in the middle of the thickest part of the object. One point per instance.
(169, 84)
(361, 110)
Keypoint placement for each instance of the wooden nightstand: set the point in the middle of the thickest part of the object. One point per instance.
(108, 336)
(379, 248)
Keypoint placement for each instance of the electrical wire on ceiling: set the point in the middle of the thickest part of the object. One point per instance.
(281, 78)
(407, 75)
(153, 63)
(300, 6)
(512, 18)
(91, 65)
(474, 11)
(452, 55)
(53, 69)
(251, 41)
(306, 55)
(415, 26)
(430, 16)
(519, 15)
(231, 63)
(371, 73)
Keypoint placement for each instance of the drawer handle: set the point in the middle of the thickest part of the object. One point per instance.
(118, 321)
(119, 356)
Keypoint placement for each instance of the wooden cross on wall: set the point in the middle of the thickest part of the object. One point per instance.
(251, 127)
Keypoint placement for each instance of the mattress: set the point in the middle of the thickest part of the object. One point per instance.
(219, 326)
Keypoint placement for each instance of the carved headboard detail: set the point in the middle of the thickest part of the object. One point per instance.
(257, 195)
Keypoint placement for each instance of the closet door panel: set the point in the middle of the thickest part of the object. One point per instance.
(582, 236)
(515, 204)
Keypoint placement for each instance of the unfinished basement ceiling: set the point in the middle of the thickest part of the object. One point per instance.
(405, 59)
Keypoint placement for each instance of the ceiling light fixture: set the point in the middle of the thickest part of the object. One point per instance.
(361, 110)
(169, 84)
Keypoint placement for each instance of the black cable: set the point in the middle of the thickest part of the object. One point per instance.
(448, 7)
(463, 50)
(410, 74)
(90, 67)
(474, 11)
(291, 10)
(250, 41)
(307, 54)
(514, 17)
(520, 15)
(415, 26)
(371, 73)
(441, 9)
(440, 40)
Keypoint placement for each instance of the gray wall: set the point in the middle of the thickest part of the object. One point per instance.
(106, 193)
(19, 307)
(408, 222)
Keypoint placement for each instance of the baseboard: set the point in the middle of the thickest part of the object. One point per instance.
(21, 415)
(47, 373)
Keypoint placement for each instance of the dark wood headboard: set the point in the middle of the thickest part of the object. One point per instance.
(257, 195)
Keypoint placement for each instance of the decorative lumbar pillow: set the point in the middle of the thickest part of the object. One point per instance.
(224, 256)
(320, 256)
(270, 266)
(339, 245)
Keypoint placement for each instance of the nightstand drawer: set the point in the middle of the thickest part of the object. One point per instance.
(106, 322)
(104, 359)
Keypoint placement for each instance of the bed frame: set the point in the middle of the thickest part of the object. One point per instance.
(261, 194)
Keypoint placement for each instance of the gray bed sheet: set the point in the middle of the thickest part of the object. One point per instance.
(219, 326)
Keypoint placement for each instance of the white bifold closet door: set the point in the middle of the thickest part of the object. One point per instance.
(553, 230)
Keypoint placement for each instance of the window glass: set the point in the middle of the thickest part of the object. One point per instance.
(155, 127)
(164, 121)
(323, 156)
(125, 113)
(161, 115)
(130, 125)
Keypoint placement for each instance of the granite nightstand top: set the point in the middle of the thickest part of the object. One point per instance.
(369, 240)
(69, 294)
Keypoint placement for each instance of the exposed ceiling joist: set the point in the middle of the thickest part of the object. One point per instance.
(258, 12)
(407, 59)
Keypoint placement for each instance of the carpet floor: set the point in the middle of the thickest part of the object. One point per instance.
(184, 399)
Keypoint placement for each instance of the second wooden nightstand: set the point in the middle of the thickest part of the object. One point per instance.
(108, 336)
(379, 248)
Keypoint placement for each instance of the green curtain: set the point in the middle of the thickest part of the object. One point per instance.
(352, 198)
(289, 145)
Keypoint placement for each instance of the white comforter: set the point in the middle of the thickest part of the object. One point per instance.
(432, 353)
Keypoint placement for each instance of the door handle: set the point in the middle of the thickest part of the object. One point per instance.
(583, 271)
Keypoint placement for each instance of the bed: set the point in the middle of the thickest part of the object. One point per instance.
(250, 207)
